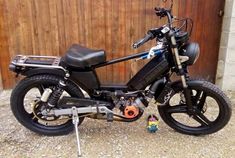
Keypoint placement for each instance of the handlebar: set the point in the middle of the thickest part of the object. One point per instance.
(162, 12)
(148, 36)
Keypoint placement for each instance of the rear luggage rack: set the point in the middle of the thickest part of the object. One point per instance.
(22, 61)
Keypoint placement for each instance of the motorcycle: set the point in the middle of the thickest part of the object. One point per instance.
(60, 104)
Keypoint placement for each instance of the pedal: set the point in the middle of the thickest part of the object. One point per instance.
(110, 117)
(76, 122)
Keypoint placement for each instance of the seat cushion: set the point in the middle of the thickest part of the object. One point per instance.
(82, 57)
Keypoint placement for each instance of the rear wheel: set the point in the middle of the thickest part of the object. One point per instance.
(211, 109)
(27, 108)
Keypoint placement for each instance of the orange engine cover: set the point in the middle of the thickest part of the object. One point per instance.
(131, 112)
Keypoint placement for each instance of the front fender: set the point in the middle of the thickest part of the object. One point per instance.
(191, 82)
(170, 88)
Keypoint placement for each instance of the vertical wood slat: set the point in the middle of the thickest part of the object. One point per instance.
(108, 35)
(1, 86)
(5, 77)
(55, 44)
(49, 27)
(98, 30)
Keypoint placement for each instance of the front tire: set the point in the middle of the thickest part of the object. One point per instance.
(201, 123)
(26, 118)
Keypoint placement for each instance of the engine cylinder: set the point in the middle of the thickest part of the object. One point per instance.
(131, 111)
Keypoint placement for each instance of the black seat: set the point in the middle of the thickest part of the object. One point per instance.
(82, 57)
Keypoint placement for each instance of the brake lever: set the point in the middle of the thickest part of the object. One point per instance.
(148, 36)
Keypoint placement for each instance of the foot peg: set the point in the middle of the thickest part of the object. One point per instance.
(76, 122)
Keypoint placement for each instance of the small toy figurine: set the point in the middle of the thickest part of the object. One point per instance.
(153, 122)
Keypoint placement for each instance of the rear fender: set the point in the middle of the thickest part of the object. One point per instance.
(38, 71)
(56, 72)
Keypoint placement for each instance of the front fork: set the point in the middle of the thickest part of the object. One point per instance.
(187, 92)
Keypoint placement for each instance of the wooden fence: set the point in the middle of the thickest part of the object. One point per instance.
(49, 27)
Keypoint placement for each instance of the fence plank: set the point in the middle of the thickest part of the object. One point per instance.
(1, 86)
(5, 78)
(49, 27)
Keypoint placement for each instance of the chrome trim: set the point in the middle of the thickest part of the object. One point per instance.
(81, 110)
(19, 60)
(37, 56)
(76, 123)
(40, 66)
(178, 62)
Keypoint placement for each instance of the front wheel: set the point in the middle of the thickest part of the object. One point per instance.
(211, 109)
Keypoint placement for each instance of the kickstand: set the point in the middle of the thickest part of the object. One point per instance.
(76, 122)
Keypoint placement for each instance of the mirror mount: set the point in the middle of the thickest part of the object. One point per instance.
(172, 4)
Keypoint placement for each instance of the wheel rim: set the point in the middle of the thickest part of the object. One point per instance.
(35, 91)
(207, 111)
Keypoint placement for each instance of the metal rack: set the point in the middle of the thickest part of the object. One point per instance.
(37, 61)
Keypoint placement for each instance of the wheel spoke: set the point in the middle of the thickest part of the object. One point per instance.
(33, 117)
(41, 89)
(196, 118)
(198, 95)
(202, 119)
(202, 101)
(177, 109)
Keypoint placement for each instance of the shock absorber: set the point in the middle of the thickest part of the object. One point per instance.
(56, 94)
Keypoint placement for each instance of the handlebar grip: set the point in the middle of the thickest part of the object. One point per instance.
(148, 37)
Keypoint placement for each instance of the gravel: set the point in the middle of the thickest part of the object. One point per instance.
(112, 140)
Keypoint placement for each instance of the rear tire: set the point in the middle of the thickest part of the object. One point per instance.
(26, 119)
(207, 126)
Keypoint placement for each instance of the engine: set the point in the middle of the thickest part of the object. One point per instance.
(131, 107)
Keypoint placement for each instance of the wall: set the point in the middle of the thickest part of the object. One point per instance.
(49, 27)
(1, 87)
(4, 47)
(226, 65)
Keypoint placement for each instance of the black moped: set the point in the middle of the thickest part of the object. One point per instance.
(60, 82)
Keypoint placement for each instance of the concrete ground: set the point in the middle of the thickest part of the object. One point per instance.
(114, 140)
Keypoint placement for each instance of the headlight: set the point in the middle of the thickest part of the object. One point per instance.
(192, 50)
